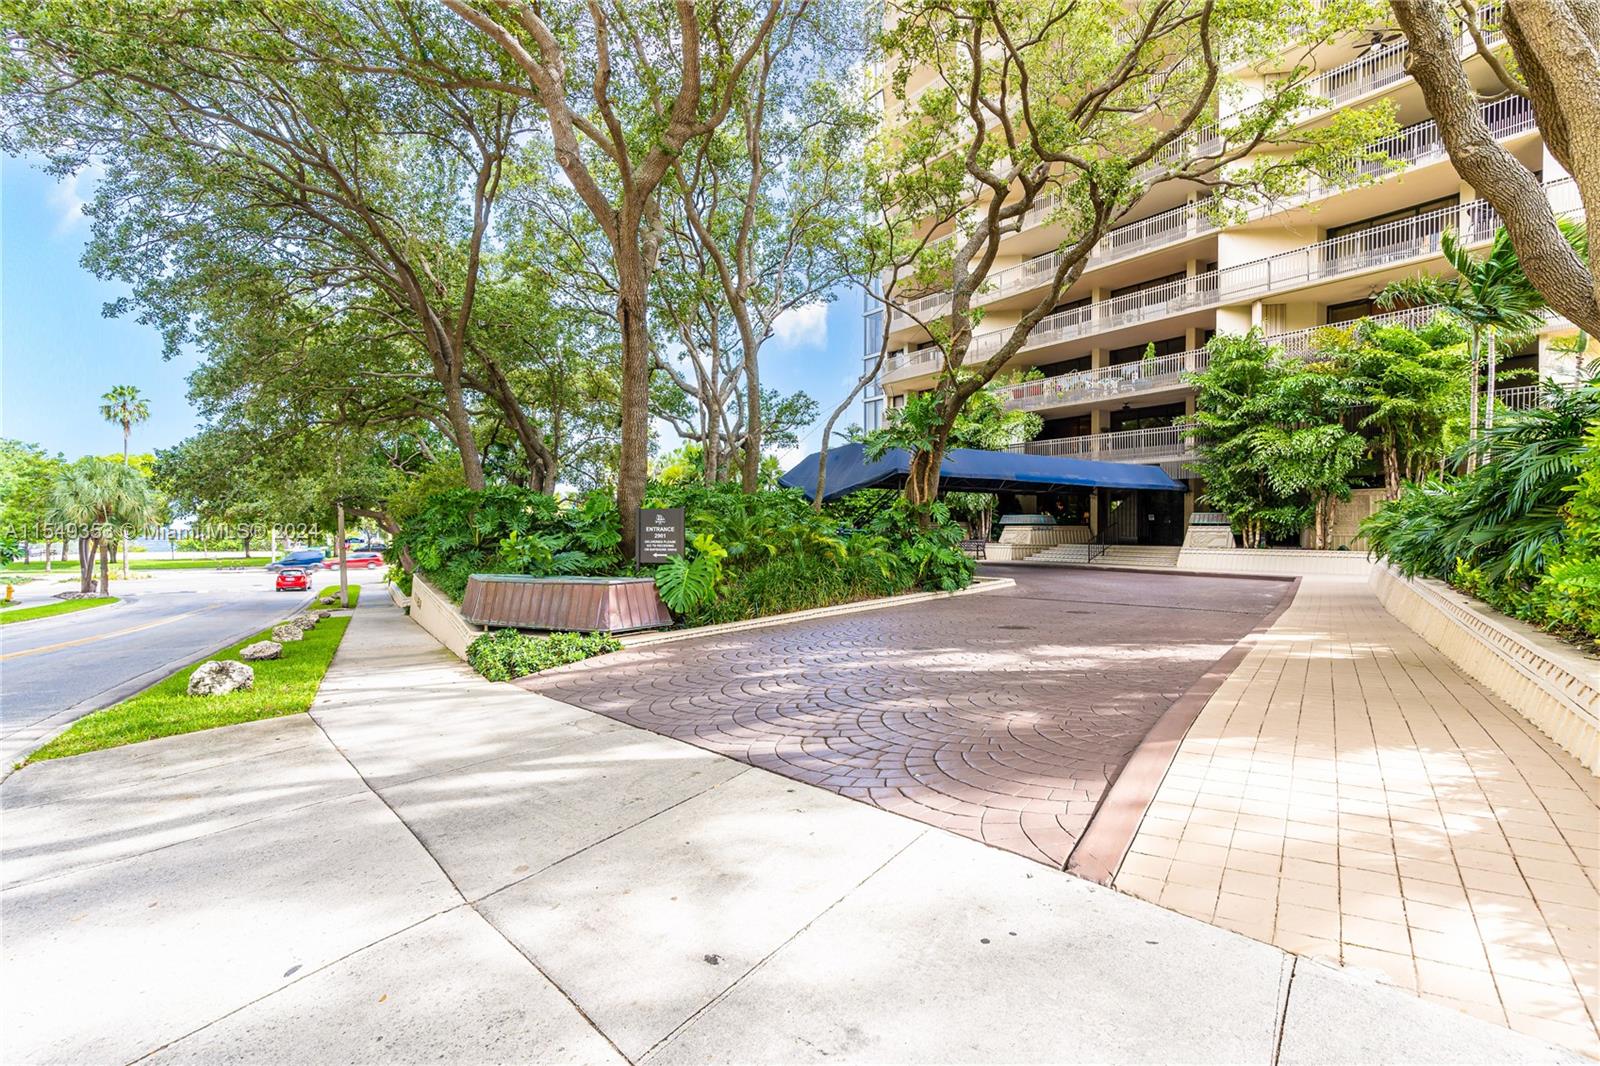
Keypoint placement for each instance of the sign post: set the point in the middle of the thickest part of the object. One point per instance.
(660, 535)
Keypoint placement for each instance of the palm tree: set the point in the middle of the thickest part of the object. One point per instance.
(93, 497)
(125, 406)
(1491, 296)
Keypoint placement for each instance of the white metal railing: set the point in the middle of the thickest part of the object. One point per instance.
(1415, 146)
(1102, 383)
(1166, 371)
(1161, 444)
(1380, 67)
(1392, 242)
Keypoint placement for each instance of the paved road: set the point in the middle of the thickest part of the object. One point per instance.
(1003, 716)
(478, 874)
(87, 660)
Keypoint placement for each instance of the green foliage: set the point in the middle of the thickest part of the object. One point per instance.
(747, 554)
(1522, 530)
(1274, 450)
(26, 474)
(689, 582)
(984, 422)
(507, 653)
(510, 530)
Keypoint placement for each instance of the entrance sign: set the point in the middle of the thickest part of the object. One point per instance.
(660, 534)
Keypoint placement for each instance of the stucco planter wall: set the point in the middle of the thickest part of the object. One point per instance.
(433, 611)
(1284, 562)
(1552, 684)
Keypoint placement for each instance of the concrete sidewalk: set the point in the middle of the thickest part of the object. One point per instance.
(431, 867)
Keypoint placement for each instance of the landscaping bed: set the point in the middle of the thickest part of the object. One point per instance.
(282, 686)
(747, 555)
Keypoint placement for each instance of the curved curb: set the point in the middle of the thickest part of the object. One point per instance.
(1105, 841)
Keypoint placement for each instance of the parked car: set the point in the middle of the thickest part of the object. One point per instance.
(305, 557)
(292, 579)
(356, 561)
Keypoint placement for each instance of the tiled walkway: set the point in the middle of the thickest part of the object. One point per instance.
(1002, 716)
(1348, 794)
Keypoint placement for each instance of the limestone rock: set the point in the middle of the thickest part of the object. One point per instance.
(224, 675)
(261, 649)
(287, 632)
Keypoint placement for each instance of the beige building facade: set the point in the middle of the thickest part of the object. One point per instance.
(1170, 278)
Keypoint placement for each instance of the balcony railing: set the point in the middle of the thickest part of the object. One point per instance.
(1415, 146)
(1392, 242)
(1162, 444)
(1163, 372)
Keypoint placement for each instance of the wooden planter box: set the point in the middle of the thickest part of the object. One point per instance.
(569, 604)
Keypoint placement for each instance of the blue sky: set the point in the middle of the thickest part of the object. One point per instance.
(58, 354)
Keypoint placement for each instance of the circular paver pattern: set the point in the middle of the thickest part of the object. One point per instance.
(1003, 716)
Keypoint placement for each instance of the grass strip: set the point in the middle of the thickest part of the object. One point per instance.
(330, 597)
(47, 610)
(282, 686)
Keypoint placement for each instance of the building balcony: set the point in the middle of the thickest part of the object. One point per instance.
(1415, 146)
(1159, 445)
(1354, 253)
(1114, 384)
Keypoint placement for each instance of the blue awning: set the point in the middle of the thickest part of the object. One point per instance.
(973, 470)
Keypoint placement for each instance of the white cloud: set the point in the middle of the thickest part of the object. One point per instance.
(68, 198)
(801, 327)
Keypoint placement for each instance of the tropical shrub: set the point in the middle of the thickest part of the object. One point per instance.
(507, 653)
(1520, 531)
(505, 529)
(1274, 451)
(746, 554)
(755, 554)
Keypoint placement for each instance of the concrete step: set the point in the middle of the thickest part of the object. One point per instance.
(1115, 555)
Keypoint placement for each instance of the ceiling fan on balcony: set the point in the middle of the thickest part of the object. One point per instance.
(1380, 39)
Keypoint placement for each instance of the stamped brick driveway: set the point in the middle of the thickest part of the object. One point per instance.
(1003, 716)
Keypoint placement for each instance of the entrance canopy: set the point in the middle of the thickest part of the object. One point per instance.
(973, 470)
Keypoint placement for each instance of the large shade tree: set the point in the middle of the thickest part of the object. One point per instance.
(342, 159)
(624, 88)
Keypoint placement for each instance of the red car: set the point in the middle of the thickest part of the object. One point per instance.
(293, 579)
(356, 561)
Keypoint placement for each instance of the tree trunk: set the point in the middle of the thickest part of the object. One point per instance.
(466, 442)
(634, 462)
(105, 566)
(1391, 469)
(246, 539)
(751, 473)
(127, 428)
(88, 552)
(48, 545)
(1560, 68)
(344, 566)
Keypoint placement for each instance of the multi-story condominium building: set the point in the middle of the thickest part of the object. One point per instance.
(1172, 279)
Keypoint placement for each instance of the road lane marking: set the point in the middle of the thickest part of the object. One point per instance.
(59, 645)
